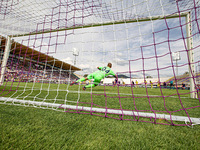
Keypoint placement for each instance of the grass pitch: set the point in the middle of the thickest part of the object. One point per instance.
(31, 128)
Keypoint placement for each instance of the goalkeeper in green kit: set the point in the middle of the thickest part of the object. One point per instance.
(97, 76)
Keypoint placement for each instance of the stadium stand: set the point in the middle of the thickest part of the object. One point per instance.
(37, 67)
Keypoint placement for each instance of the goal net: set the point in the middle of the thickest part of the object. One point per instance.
(153, 45)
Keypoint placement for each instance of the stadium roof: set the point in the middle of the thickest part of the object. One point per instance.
(33, 55)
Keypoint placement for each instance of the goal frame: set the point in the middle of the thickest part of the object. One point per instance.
(176, 15)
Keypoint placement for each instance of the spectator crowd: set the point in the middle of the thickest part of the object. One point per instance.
(18, 69)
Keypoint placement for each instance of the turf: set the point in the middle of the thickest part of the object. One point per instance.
(33, 128)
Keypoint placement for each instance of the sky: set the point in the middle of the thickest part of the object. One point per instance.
(124, 45)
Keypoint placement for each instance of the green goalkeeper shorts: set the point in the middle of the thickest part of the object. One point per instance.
(97, 78)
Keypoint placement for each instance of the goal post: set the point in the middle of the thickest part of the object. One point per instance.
(5, 59)
(191, 67)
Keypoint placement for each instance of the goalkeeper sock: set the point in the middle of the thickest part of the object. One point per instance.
(80, 80)
(90, 85)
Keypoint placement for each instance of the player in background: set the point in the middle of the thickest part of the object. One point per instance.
(115, 82)
(183, 86)
(151, 83)
(97, 76)
(171, 84)
(158, 84)
(136, 82)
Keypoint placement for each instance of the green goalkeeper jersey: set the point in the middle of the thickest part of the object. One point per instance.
(101, 74)
(105, 71)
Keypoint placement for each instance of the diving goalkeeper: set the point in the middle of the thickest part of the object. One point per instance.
(97, 76)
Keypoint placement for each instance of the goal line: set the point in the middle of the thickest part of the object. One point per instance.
(103, 110)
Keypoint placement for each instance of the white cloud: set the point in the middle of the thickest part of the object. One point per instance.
(119, 43)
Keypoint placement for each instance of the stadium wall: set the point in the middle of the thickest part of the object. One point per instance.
(128, 81)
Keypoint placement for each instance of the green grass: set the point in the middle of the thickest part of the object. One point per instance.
(32, 128)
(106, 97)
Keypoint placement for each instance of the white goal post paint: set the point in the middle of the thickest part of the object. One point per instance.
(191, 66)
(176, 15)
(5, 59)
(103, 110)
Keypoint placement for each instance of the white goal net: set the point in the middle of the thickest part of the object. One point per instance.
(153, 45)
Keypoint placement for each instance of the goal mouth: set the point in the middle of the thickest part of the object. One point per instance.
(50, 50)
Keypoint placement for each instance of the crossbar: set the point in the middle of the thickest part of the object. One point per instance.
(176, 15)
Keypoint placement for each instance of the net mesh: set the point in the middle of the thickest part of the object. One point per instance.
(55, 42)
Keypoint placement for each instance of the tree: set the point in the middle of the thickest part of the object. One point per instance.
(149, 77)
